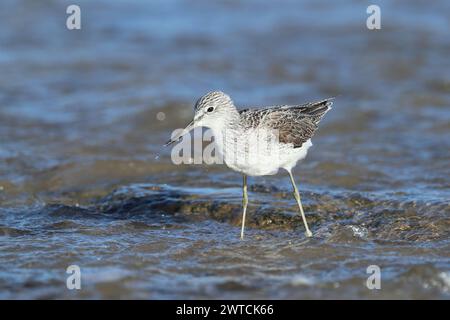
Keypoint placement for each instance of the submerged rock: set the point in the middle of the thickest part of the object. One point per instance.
(345, 217)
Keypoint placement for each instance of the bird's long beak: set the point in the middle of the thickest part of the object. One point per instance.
(181, 133)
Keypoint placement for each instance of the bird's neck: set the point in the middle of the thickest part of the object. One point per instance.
(230, 120)
(226, 129)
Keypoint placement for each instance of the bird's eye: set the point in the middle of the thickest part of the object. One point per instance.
(210, 109)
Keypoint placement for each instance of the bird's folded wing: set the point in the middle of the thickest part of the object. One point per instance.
(291, 128)
(294, 124)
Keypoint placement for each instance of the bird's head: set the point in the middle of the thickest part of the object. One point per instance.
(212, 110)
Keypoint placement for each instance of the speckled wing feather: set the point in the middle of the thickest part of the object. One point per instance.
(295, 124)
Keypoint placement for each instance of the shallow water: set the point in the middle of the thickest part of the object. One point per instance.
(84, 180)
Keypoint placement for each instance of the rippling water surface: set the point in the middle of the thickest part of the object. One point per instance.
(84, 179)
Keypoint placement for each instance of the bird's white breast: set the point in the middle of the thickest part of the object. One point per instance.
(257, 152)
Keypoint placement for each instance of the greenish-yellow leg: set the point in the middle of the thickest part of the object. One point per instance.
(244, 204)
(299, 202)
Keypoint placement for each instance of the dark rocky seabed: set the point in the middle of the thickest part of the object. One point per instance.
(84, 179)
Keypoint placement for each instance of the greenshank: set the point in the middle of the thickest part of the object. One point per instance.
(259, 141)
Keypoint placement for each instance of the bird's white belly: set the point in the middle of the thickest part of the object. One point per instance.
(254, 155)
(258, 169)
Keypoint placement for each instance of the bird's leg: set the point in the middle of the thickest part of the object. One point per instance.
(299, 202)
(244, 204)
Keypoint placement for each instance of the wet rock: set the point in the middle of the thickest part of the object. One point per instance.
(157, 200)
(13, 232)
(58, 210)
(347, 217)
(262, 188)
(338, 218)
